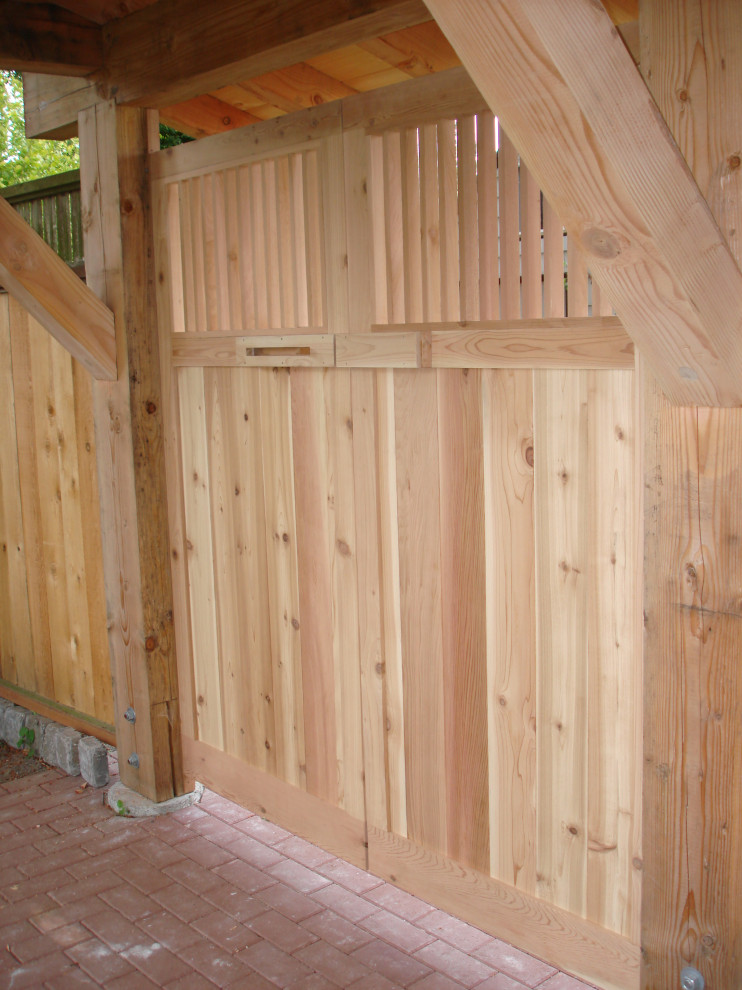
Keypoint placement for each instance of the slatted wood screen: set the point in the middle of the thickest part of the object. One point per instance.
(408, 593)
(53, 639)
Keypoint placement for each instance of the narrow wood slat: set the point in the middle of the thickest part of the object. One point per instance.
(285, 243)
(211, 248)
(560, 465)
(449, 223)
(16, 640)
(431, 223)
(359, 230)
(391, 598)
(507, 166)
(233, 249)
(276, 469)
(335, 246)
(309, 433)
(316, 262)
(197, 246)
(297, 235)
(418, 508)
(87, 476)
(221, 254)
(530, 245)
(411, 222)
(614, 681)
(463, 605)
(345, 605)
(272, 248)
(576, 279)
(553, 263)
(248, 290)
(207, 686)
(511, 624)
(489, 258)
(260, 277)
(370, 630)
(468, 218)
(191, 319)
(377, 210)
(54, 571)
(394, 233)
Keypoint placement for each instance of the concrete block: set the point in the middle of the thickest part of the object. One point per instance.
(13, 721)
(39, 724)
(68, 756)
(93, 761)
(4, 710)
(48, 750)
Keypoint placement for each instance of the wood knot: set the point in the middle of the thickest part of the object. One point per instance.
(529, 456)
(380, 668)
(295, 623)
(343, 548)
(734, 162)
(285, 537)
(150, 644)
(151, 407)
(637, 863)
(601, 243)
(683, 95)
(127, 206)
(573, 830)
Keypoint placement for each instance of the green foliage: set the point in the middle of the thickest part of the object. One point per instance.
(21, 158)
(169, 137)
(120, 808)
(26, 738)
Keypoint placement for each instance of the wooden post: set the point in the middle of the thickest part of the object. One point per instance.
(691, 58)
(114, 143)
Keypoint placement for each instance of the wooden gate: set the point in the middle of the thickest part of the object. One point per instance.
(404, 501)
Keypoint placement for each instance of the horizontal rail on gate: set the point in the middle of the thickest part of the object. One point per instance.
(578, 343)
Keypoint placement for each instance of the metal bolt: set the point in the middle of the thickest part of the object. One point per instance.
(691, 979)
(134, 762)
(130, 715)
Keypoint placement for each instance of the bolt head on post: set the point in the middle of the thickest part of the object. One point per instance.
(133, 761)
(691, 979)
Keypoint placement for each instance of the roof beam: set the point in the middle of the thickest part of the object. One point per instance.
(41, 37)
(176, 49)
(38, 278)
(574, 104)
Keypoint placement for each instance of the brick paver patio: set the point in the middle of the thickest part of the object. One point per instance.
(215, 896)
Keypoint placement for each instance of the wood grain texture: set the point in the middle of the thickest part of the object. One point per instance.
(55, 296)
(418, 519)
(294, 809)
(640, 217)
(461, 465)
(691, 57)
(309, 432)
(507, 426)
(576, 944)
(561, 480)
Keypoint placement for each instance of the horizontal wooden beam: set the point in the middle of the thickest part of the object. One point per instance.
(295, 809)
(177, 49)
(42, 37)
(565, 939)
(578, 343)
(51, 104)
(573, 103)
(38, 278)
(59, 713)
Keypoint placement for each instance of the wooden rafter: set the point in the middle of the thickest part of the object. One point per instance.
(32, 272)
(177, 49)
(42, 37)
(581, 116)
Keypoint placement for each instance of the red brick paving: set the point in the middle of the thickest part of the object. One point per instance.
(214, 896)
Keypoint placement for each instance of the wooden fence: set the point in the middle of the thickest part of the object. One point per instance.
(53, 635)
(404, 501)
(52, 207)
